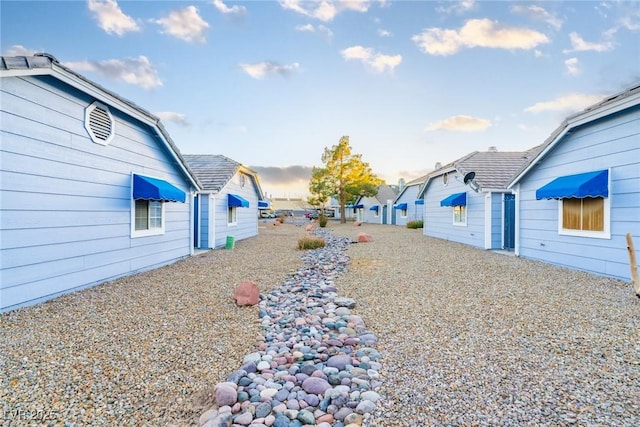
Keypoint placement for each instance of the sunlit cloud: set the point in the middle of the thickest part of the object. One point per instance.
(285, 175)
(170, 116)
(578, 44)
(184, 24)
(137, 71)
(377, 61)
(567, 104)
(477, 33)
(233, 10)
(262, 69)
(538, 13)
(324, 10)
(573, 66)
(460, 123)
(111, 18)
(384, 33)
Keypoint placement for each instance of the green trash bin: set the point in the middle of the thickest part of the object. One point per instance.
(231, 242)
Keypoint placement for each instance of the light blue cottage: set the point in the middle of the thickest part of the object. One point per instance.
(580, 195)
(228, 205)
(407, 205)
(377, 209)
(91, 186)
(467, 201)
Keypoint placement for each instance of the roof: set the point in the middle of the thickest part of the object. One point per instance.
(608, 106)
(493, 169)
(386, 192)
(46, 64)
(418, 181)
(214, 170)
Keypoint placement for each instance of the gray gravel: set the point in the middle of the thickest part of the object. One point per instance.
(468, 337)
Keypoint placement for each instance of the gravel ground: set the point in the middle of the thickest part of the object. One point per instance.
(469, 337)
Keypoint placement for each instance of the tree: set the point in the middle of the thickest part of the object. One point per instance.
(321, 187)
(344, 176)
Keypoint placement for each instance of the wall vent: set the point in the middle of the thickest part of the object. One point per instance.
(99, 123)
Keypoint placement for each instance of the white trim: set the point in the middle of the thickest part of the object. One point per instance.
(487, 221)
(158, 231)
(87, 123)
(234, 214)
(213, 210)
(516, 249)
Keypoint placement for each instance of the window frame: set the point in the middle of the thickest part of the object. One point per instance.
(404, 213)
(150, 231)
(232, 213)
(604, 234)
(459, 223)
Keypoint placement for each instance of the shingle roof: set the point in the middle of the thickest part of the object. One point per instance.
(386, 192)
(212, 170)
(493, 169)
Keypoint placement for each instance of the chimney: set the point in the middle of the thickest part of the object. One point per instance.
(438, 165)
(493, 149)
(401, 184)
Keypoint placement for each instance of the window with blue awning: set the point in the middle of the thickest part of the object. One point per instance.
(263, 205)
(401, 206)
(236, 201)
(374, 208)
(457, 199)
(147, 188)
(579, 186)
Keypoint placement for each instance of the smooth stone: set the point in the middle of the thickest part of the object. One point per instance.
(315, 385)
(262, 410)
(306, 417)
(370, 395)
(365, 407)
(225, 395)
(339, 361)
(243, 419)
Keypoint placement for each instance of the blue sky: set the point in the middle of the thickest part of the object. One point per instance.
(270, 84)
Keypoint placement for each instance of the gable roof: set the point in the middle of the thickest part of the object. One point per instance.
(612, 104)
(418, 181)
(214, 170)
(44, 64)
(386, 192)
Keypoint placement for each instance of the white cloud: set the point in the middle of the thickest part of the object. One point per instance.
(320, 29)
(262, 69)
(460, 123)
(170, 116)
(233, 10)
(573, 66)
(184, 24)
(457, 7)
(477, 33)
(324, 10)
(137, 71)
(539, 13)
(19, 50)
(384, 33)
(578, 44)
(568, 103)
(377, 61)
(111, 18)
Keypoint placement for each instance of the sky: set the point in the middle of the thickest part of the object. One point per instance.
(271, 84)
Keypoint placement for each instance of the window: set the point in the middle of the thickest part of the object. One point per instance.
(403, 213)
(460, 215)
(148, 218)
(584, 217)
(445, 179)
(231, 215)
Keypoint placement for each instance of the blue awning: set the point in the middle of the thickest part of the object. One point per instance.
(589, 184)
(374, 208)
(401, 206)
(263, 204)
(146, 188)
(457, 199)
(419, 202)
(358, 207)
(236, 201)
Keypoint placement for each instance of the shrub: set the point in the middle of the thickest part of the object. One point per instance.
(419, 223)
(322, 220)
(310, 242)
(281, 217)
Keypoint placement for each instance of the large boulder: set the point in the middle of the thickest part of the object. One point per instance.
(246, 293)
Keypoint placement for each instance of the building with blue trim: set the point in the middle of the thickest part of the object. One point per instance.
(579, 196)
(92, 187)
(407, 205)
(228, 204)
